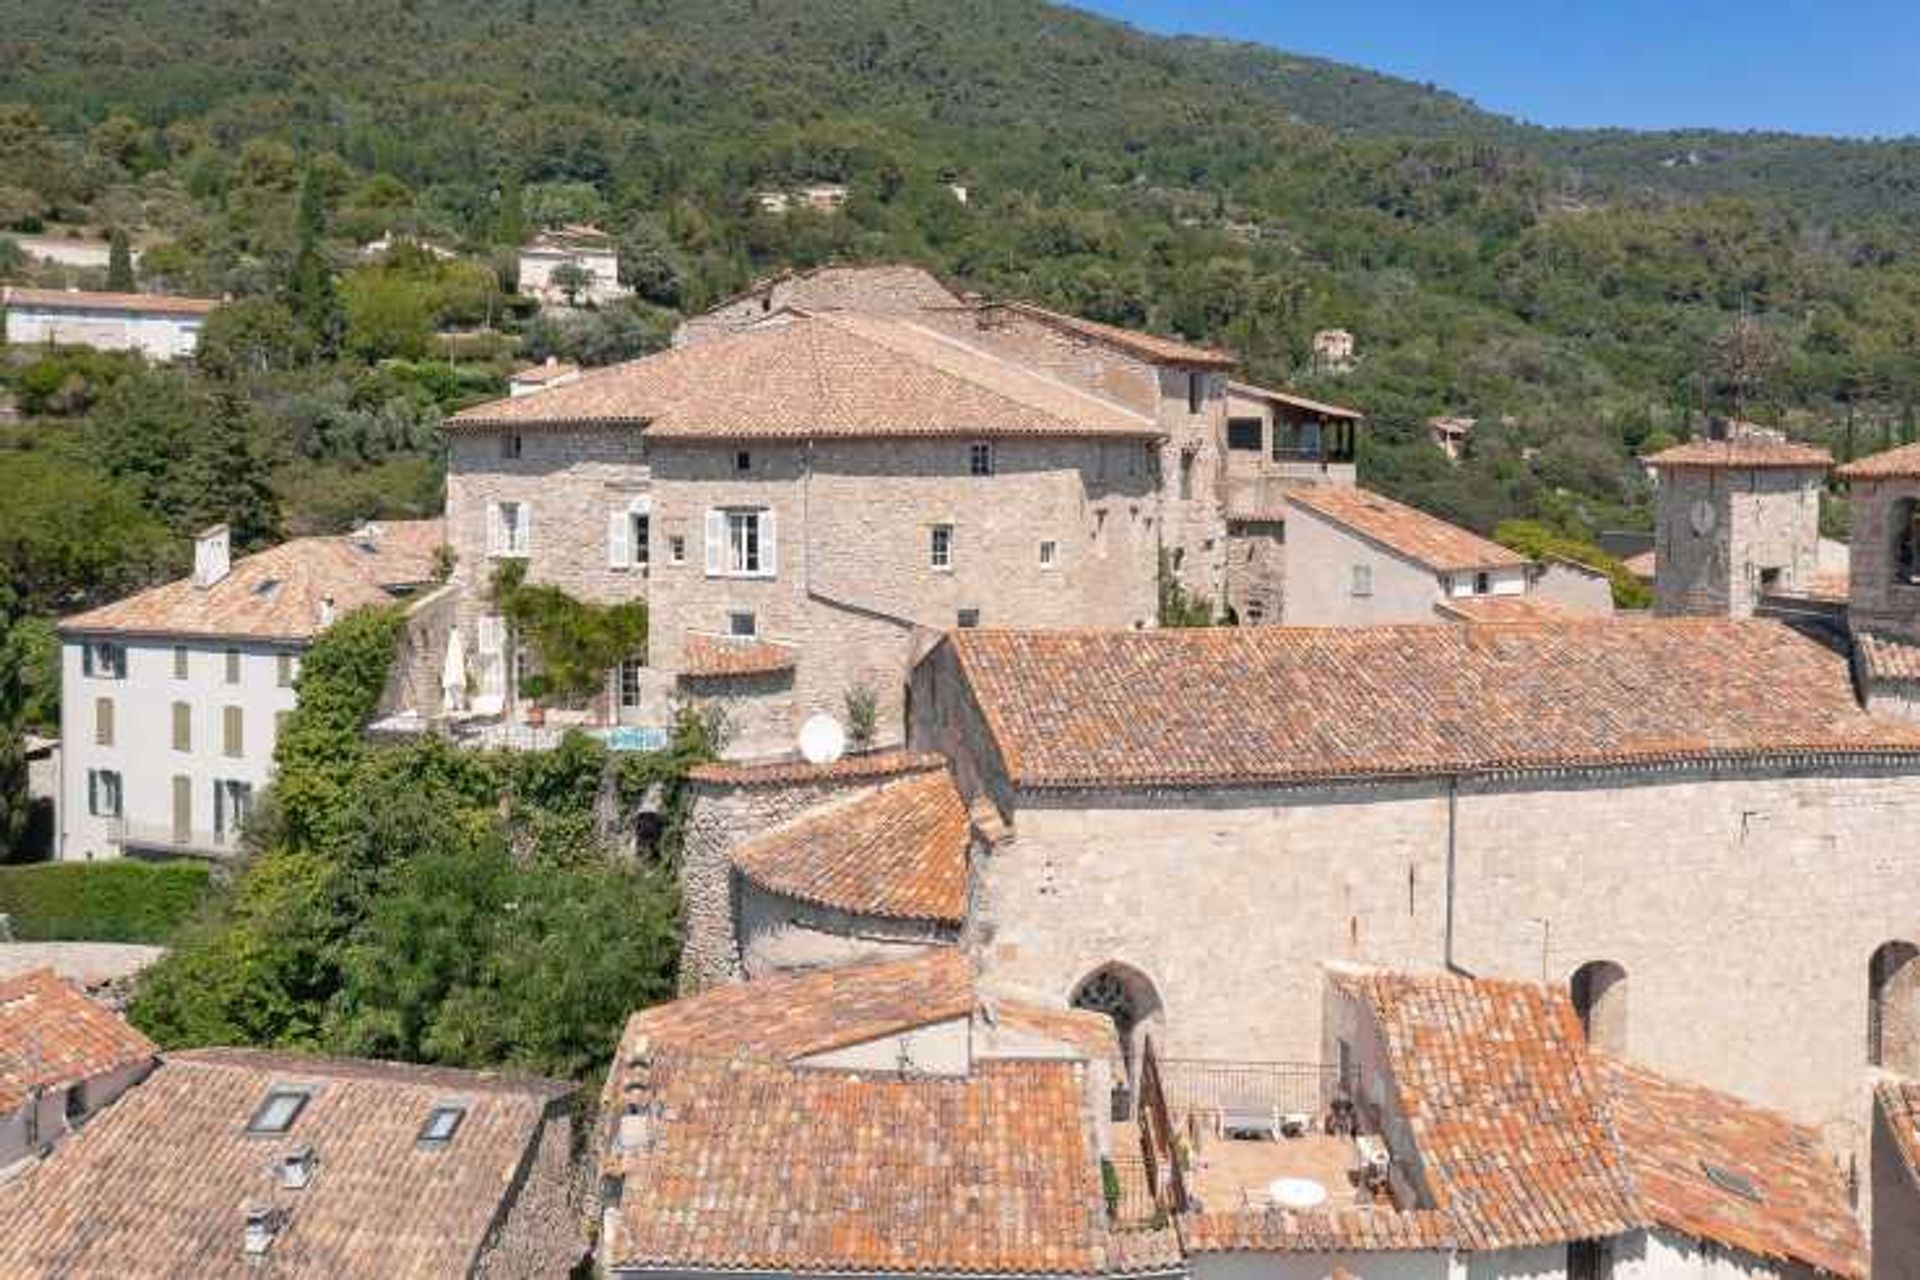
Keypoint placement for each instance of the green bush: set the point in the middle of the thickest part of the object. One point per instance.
(118, 901)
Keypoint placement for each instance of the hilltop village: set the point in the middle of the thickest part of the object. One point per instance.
(1437, 918)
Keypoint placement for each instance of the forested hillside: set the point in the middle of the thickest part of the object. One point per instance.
(1583, 294)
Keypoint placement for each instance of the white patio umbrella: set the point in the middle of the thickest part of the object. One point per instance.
(453, 674)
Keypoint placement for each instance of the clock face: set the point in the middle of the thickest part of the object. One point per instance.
(1702, 517)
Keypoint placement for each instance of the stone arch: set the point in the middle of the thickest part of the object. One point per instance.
(1893, 1007)
(1125, 995)
(1599, 991)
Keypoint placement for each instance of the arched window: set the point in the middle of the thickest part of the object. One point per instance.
(1599, 991)
(1903, 522)
(1125, 995)
(1893, 1008)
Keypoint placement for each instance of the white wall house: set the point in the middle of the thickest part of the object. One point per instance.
(157, 326)
(174, 698)
(588, 248)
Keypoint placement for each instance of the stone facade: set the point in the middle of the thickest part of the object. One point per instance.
(1257, 570)
(1883, 597)
(542, 1231)
(1726, 536)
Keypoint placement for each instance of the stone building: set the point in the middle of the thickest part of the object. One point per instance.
(62, 1058)
(583, 249)
(245, 1162)
(1883, 602)
(159, 327)
(1333, 350)
(1896, 1181)
(885, 289)
(172, 698)
(1738, 519)
(1357, 558)
(1540, 800)
(806, 505)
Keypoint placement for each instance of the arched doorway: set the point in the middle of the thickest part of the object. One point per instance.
(1893, 1008)
(1599, 991)
(1127, 996)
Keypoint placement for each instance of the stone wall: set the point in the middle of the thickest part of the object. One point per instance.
(1581, 590)
(543, 1229)
(414, 681)
(1718, 532)
(1257, 570)
(1879, 601)
(776, 933)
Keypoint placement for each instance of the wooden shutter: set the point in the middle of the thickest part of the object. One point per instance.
(182, 808)
(103, 721)
(496, 532)
(231, 725)
(182, 727)
(619, 540)
(716, 542)
(769, 550)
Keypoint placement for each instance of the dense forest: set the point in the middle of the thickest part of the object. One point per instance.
(1585, 295)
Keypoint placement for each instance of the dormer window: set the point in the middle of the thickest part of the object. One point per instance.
(278, 1111)
(441, 1124)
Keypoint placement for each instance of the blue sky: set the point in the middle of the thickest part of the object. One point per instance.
(1838, 68)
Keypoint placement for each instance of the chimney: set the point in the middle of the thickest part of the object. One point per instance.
(212, 556)
(326, 611)
(262, 1224)
(298, 1166)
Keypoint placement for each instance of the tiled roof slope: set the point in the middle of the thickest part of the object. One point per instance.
(1495, 1084)
(82, 300)
(1249, 391)
(1406, 531)
(875, 764)
(898, 852)
(1357, 1230)
(155, 1185)
(753, 1166)
(795, 1015)
(1886, 658)
(1150, 346)
(1672, 1132)
(52, 1035)
(718, 658)
(1248, 705)
(276, 594)
(1488, 609)
(1902, 463)
(826, 376)
(1744, 453)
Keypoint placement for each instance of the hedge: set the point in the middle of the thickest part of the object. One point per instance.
(117, 901)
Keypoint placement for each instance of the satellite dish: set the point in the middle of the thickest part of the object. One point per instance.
(822, 740)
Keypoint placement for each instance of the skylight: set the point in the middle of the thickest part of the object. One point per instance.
(278, 1112)
(1729, 1181)
(442, 1123)
(266, 586)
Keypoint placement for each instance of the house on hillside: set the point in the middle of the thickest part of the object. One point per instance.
(1451, 435)
(158, 326)
(584, 257)
(247, 1162)
(62, 1059)
(172, 698)
(1333, 351)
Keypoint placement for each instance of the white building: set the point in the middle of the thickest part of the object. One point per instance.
(589, 249)
(553, 372)
(157, 326)
(172, 699)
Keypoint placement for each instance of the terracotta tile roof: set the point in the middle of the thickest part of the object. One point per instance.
(1503, 1106)
(836, 374)
(154, 1186)
(1090, 1033)
(541, 374)
(758, 1167)
(1149, 346)
(277, 594)
(1407, 531)
(1485, 609)
(877, 287)
(796, 1015)
(1743, 453)
(1887, 658)
(1252, 392)
(898, 852)
(82, 300)
(1641, 566)
(1899, 1102)
(1358, 1230)
(713, 657)
(1902, 463)
(1246, 705)
(877, 764)
(1672, 1133)
(52, 1035)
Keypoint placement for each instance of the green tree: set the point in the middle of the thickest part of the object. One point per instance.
(16, 806)
(119, 263)
(310, 292)
(252, 337)
(572, 280)
(387, 315)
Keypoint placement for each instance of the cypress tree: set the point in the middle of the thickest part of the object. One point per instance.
(310, 293)
(119, 263)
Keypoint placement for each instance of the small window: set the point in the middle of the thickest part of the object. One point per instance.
(1482, 584)
(1256, 612)
(742, 625)
(743, 461)
(510, 445)
(640, 533)
(1196, 392)
(1186, 476)
(278, 1112)
(677, 548)
(739, 544)
(232, 802)
(103, 793)
(441, 1124)
(509, 529)
(182, 727)
(980, 459)
(969, 618)
(283, 670)
(104, 661)
(1049, 553)
(940, 547)
(1362, 580)
(180, 662)
(1243, 435)
(233, 666)
(630, 682)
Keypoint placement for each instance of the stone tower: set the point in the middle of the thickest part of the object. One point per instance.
(1883, 591)
(1738, 518)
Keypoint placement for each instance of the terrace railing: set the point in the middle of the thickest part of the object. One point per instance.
(1211, 1086)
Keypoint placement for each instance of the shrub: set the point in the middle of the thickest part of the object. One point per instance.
(116, 901)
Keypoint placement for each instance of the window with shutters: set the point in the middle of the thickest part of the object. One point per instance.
(103, 793)
(103, 721)
(509, 529)
(103, 660)
(180, 662)
(740, 543)
(1049, 553)
(980, 459)
(231, 723)
(510, 445)
(182, 808)
(1362, 580)
(232, 802)
(182, 726)
(627, 535)
(233, 666)
(284, 670)
(940, 547)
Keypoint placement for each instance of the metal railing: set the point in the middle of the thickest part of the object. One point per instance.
(1135, 1208)
(1210, 1086)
